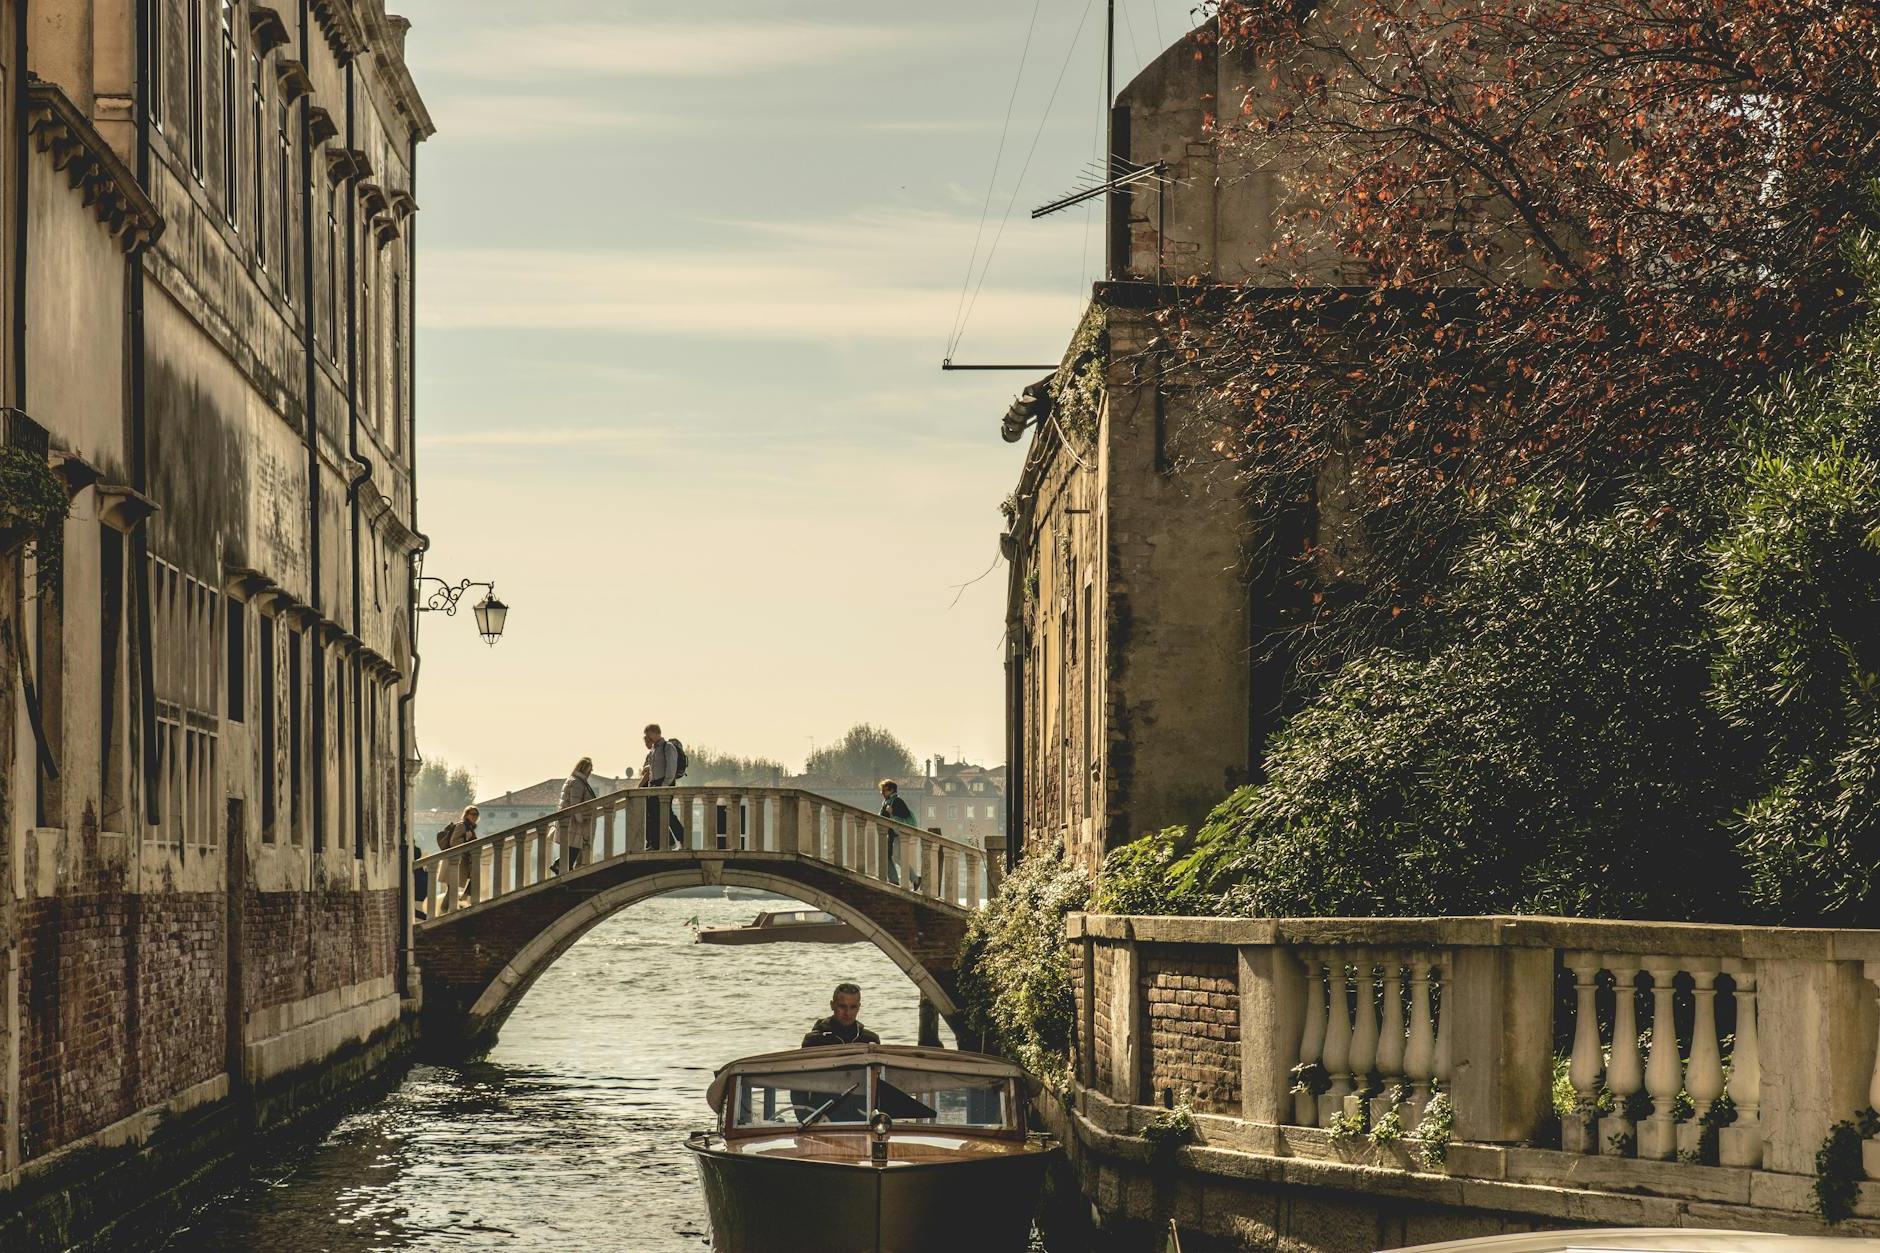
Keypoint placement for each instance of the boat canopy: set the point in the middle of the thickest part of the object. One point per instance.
(833, 1057)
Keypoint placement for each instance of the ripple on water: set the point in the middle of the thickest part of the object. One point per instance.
(571, 1134)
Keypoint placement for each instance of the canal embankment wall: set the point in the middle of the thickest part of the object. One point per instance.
(156, 1037)
(1334, 1085)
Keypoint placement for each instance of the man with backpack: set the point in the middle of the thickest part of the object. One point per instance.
(665, 766)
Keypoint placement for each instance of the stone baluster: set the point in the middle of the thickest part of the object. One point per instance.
(1364, 1034)
(441, 900)
(1390, 1036)
(949, 877)
(1658, 1136)
(1312, 1039)
(757, 836)
(477, 894)
(1703, 1075)
(1625, 1075)
(1442, 1065)
(1419, 1059)
(1740, 1143)
(498, 869)
(1579, 1130)
(975, 896)
(1337, 1037)
(542, 853)
(936, 857)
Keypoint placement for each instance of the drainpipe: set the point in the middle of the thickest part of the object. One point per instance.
(139, 547)
(316, 656)
(359, 479)
(414, 985)
(1015, 680)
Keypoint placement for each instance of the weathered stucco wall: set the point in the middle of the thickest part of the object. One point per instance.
(203, 923)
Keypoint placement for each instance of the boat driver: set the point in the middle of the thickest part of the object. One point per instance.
(841, 1026)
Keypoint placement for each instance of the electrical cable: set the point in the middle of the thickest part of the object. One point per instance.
(1024, 169)
(992, 184)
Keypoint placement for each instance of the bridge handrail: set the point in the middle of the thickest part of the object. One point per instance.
(741, 818)
(1684, 1044)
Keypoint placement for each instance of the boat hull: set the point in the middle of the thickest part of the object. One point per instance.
(762, 1204)
(805, 933)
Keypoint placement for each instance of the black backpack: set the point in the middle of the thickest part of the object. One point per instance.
(680, 760)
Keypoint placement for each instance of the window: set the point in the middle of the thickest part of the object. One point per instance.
(158, 15)
(258, 141)
(185, 636)
(296, 744)
(331, 317)
(398, 360)
(196, 101)
(358, 762)
(237, 661)
(49, 687)
(231, 173)
(834, 1096)
(110, 639)
(283, 207)
(933, 811)
(368, 357)
(269, 715)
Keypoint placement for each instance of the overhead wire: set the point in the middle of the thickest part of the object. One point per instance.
(1025, 168)
(992, 184)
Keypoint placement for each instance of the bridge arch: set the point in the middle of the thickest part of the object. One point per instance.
(498, 1000)
(480, 957)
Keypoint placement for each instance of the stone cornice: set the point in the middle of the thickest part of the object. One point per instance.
(90, 165)
(267, 28)
(341, 26)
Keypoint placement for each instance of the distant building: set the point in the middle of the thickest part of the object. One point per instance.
(538, 800)
(960, 800)
(966, 802)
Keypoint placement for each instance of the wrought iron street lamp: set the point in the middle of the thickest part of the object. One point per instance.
(491, 614)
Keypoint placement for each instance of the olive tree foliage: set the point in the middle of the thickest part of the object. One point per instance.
(1016, 975)
(1658, 697)
(1570, 237)
(1796, 595)
(863, 756)
(708, 765)
(440, 785)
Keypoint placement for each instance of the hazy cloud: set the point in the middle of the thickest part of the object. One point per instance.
(640, 50)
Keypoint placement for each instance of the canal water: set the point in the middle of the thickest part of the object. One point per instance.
(570, 1135)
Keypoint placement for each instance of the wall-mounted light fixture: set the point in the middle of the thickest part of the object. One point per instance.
(491, 614)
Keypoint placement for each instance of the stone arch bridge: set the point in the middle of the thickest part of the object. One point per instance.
(497, 913)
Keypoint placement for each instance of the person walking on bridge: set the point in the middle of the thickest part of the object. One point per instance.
(456, 876)
(576, 833)
(895, 810)
(665, 766)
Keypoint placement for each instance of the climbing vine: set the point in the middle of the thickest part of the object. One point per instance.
(1838, 1166)
(1077, 391)
(32, 508)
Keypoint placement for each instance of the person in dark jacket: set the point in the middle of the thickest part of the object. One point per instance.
(841, 1026)
(895, 810)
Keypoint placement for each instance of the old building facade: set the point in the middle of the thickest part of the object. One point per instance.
(207, 703)
(1136, 697)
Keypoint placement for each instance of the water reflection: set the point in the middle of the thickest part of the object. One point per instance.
(571, 1134)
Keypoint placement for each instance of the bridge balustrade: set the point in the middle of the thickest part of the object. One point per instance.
(711, 822)
(1705, 1063)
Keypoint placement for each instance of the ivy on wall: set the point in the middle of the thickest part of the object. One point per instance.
(33, 506)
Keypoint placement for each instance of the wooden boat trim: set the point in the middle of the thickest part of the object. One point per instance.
(834, 1057)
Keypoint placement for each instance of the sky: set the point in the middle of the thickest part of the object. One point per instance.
(686, 274)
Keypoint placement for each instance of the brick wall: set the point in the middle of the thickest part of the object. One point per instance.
(300, 944)
(123, 1004)
(1191, 1001)
(1104, 965)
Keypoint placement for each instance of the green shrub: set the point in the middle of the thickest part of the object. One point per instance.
(1016, 975)
(1139, 878)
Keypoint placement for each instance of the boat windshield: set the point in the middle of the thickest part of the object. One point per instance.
(786, 1100)
(936, 1098)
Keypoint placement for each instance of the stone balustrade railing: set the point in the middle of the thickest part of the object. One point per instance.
(648, 822)
(1704, 1061)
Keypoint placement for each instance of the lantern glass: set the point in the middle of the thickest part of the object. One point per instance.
(491, 614)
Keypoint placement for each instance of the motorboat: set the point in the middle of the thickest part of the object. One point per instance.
(793, 926)
(871, 1148)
